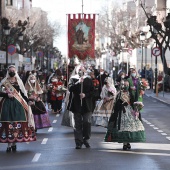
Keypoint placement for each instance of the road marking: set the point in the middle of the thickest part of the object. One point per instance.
(46, 164)
(36, 157)
(168, 138)
(160, 131)
(151, 125)
(57, 115)
(137, 153)
(164, 134)
(148, 123)
(143, 146)
(44, 141)
(50, 129)
(27, 143)
(155, 128)
(54, 121)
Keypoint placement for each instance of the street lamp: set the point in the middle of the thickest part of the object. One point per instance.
(6, 31)
(118, 58)
(142, 39)
(114, 73)
(20, 38)
(122, 45)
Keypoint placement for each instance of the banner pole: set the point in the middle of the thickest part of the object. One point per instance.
(82, 63)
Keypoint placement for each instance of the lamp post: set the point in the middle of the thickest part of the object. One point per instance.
(118, 58)
(114, 73)
(128, 63)
(20, 38)
(142, 39)
(6, 30)
(122, 45)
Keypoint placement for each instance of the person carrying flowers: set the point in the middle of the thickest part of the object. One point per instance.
(135, 87)
(57, 95)
(103, 109)
(124, 124)
(41, 116)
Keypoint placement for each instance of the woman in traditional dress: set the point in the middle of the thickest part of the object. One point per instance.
(120, 78)
(135, 87)
(44, 89)
(103, 109)
(34, 91)
(124, 124)
(57, 95)
(16, 119)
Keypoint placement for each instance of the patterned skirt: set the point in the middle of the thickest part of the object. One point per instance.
(14, 126)
(16, 132)
(127, 128)
(42, 121)
(102, 113)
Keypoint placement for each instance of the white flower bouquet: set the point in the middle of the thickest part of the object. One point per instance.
(137, 107)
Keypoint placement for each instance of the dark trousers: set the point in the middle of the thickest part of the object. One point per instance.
(56, 105)
(82, 128)
(59, 104)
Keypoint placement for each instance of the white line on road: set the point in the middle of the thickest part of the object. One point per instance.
(148, 123)
(160, 131)
(164, 134)
(57, 115)
(151, 125)
(168, 138)
(50, 129)
(36, 157)
(155, 128)
(44, 141)
(54, 121)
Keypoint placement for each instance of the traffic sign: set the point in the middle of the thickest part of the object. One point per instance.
(130, 51)
(40, 54)
(113, 53)
(156, 51)
(11, 49)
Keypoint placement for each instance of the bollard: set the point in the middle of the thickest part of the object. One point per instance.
(157, 90)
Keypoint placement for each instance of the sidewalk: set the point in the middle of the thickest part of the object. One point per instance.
(162, 97)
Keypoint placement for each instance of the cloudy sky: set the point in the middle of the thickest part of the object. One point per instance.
(57, 10)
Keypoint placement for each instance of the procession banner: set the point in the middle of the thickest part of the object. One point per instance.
(81, 35)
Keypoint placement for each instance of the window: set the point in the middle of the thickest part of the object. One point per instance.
(9, 2)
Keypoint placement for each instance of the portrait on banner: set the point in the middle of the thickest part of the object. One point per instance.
(81, 36)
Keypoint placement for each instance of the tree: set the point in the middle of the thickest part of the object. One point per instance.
(117, 23)
(38, 32)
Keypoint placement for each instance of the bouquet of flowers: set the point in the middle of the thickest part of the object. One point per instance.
(137, 107)
(144, 84)
(111, 91)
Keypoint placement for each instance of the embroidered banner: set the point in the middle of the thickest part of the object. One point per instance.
(81, 36)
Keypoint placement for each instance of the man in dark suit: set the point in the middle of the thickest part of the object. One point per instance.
(80, 103)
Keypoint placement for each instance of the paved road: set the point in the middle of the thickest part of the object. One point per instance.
(55, 148)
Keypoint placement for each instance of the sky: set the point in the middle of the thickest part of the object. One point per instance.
(57, 10)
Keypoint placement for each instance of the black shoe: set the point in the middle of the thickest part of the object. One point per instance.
(14, 148)
(87, 145)
(8, 149)
(128, 146)
(124, 147)
(78, 146)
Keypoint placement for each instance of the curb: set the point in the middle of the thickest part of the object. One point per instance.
(162, 101)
